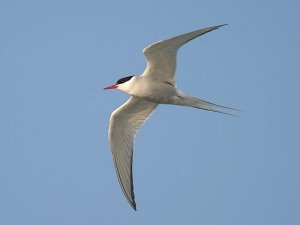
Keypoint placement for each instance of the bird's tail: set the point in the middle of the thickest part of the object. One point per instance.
(186, 100)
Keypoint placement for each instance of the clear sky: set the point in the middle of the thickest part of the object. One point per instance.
(190, 166)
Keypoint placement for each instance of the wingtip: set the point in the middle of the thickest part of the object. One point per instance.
(133, 205)
(216, 27)
(222, 25)
(132, 202)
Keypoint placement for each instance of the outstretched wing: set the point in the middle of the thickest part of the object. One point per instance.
(161, 56)
(124, 123)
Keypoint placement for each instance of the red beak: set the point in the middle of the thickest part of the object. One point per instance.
(111, 87)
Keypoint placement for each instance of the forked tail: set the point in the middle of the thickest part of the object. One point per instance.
(186, 100)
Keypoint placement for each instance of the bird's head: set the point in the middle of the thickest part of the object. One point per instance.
(122, 84)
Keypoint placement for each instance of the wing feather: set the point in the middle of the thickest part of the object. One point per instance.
(124, 123)
(161, 56)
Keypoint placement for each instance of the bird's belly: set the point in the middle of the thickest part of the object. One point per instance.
(161, 93)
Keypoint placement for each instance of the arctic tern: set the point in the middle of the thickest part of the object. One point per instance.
(155, 86)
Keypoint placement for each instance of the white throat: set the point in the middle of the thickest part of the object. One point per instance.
(128, 86)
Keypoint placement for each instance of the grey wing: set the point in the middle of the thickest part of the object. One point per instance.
(124, 123)
(161, 56)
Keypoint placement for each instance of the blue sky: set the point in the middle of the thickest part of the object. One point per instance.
(190, 166)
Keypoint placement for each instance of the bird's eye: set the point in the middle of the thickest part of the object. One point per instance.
(123, 80)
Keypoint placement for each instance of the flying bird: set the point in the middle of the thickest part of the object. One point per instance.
(155, 86)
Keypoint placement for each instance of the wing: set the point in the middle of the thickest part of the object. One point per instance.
(161, 56)
(124, 123)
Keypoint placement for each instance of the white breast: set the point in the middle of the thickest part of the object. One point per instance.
(152, 90)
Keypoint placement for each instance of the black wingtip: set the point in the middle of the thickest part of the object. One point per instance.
(216, 27)
(222, 25)
(134, 206)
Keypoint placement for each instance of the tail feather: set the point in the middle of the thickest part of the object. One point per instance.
(186, 100)
(201, 104)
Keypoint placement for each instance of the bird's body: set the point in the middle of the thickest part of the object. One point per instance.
(155, 86)
(151, 90)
